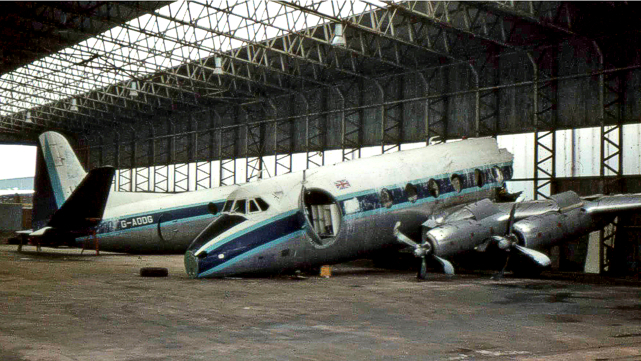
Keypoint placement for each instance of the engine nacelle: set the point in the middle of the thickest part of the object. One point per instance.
(463, 235)
(550, 228)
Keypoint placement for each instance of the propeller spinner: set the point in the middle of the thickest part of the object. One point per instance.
(422, 251)
(509, 242)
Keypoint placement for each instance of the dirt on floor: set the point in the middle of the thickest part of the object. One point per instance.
(61, 305)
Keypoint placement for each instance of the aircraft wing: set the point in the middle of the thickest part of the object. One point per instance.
(613, 204)
(524, 227)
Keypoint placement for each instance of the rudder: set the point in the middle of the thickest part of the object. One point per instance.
(58, 173)
(63, 167)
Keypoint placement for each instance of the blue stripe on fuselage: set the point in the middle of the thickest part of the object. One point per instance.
(251, 252)
(112, 226)
(251, 238)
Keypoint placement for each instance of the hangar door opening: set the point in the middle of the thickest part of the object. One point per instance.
(323, 214)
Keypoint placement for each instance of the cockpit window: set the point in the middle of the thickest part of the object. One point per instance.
(216, 228)
(253, 207)
(239, 206)
(227, 206)
(263, 205)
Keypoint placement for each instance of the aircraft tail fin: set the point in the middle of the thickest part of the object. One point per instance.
(58, 173)
(65, 171)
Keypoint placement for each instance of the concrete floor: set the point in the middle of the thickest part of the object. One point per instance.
(60, 305)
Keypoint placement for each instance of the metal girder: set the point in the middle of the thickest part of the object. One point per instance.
(392, 117)
(244, 73)
(351, 124)
(548, 14)
(227, 156)
(315, 132)
(201, 64)
(292, 38)
(36, 111)
(204, 170)
(51, 26)
(38, 77)
(612, 90)
(284, 142)
(373, 20)
(460, 17)
(255, 133)
(545, 113)
(437, 108)
(81, 102)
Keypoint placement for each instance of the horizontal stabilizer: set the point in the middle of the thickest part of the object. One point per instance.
(85, 206)
(39, 233)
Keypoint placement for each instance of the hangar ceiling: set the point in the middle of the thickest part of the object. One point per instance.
(195, 81)
(88, 66)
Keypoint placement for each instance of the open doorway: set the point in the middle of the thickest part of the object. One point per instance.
(323, 214)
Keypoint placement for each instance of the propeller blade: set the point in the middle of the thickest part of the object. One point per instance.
(510, 221)
(538, 257)
(447, 266)
(422, 272)
(403, 238)
(483, 246)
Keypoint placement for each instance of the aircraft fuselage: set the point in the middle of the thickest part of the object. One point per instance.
(342, 212)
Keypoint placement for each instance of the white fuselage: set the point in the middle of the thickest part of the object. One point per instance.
(336, 213)
(157, 223)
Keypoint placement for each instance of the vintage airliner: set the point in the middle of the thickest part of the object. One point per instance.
(70, 206)
(441, 200)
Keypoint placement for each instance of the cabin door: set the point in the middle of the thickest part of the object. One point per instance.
(323, 216)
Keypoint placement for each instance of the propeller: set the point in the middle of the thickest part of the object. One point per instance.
(422, 251)
(509, 242)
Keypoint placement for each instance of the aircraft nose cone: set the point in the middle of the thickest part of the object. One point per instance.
(191, 264)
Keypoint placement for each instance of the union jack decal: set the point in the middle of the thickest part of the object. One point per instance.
(342, 184)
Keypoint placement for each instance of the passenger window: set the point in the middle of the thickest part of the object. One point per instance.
(456, 183)
(253, 207)
(263, 205)
(479, 178)
(432, 186)
(412, 192)
(498, 174)
(386, 198)
(227, 206)
(239, 206)
(211, 207)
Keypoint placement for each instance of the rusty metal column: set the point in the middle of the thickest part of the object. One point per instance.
(437, 108)
(392, 124)
(611, 109)
(544, 112)
(143, 174)
(255, 145)
(315, 132)
(204, 168)
(284, 142)
(350, 130)
(227, 152)
(181, 170)
(160, 179)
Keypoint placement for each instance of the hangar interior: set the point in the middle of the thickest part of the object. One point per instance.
(188, 95)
